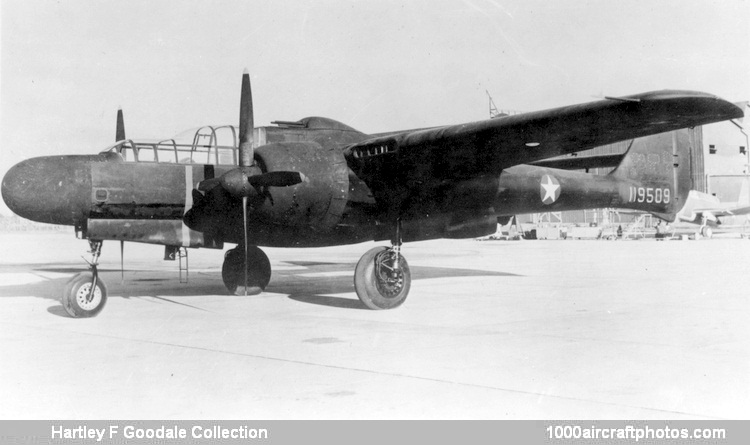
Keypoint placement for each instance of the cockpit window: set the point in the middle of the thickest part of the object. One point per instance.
(166, 155)
(205, 145)
(127, 154)
(146, 154)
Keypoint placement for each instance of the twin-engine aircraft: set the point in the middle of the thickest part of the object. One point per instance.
(318, 182)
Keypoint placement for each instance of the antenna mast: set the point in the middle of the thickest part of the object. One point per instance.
(494, 112)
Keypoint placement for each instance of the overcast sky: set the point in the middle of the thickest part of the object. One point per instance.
(376, 65)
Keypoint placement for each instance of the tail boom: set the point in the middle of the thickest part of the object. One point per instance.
(652, 177)
(532, 189)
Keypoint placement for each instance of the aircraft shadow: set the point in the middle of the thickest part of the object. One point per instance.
(75, 270)
(327, 278)
(55, 268)
(50, 289)
(317, 284)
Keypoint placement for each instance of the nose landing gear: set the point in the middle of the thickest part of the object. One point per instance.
(86, 294)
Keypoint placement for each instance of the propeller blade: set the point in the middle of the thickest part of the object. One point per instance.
(245, 182)
(246, 122)
(122, 262)
(208, 184)
(276, 179)
(244, 224)
(120, 130)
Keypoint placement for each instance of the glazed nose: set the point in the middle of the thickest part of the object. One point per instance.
(54, 189)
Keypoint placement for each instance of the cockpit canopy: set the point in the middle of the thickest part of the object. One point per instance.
(215, 145)
(218, 145)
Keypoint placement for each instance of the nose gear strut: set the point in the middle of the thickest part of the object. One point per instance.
(96, 251)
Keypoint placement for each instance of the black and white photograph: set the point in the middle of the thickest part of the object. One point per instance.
(375, 210)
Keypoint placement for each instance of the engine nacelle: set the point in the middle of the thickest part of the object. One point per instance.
(318, 202)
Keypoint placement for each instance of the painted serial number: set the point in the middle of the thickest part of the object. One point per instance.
(650, 195)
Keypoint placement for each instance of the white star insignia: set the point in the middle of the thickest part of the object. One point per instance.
(550, 189)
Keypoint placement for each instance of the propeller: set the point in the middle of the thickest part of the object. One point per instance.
(248, 179)
(236, 180)
(119, 136)
(245, 180)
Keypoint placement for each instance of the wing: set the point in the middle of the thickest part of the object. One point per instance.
(701, 205)
(487, 147)
(714, 213)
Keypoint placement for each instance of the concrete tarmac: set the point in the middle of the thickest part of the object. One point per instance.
(491, 330)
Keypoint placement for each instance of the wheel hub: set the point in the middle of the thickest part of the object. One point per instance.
(389, 277)
(82, 297)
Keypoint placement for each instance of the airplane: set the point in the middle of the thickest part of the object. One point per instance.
(318, 182)
(706, 210)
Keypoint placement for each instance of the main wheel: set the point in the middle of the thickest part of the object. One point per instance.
(707, 232)
(258, 269)
(77, 299)
(382, 278)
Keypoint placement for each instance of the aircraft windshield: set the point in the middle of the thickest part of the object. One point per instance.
(204, 145)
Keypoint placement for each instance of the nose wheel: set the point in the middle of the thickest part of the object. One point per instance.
(85, 294)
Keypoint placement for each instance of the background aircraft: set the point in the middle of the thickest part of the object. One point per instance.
(706, 210)
(318, 182)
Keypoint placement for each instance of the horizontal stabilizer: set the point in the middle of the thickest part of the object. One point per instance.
(743, 105)
(581, 162)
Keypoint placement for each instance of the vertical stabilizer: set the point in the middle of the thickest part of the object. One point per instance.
(656, 172)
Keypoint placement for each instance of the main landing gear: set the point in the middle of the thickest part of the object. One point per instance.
(86, 294)
(258, 270)
(382, 277)
(705, 230)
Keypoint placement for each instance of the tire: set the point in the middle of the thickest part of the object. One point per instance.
(381, 290)
(74, 298)
(258, 270)
(707, 232)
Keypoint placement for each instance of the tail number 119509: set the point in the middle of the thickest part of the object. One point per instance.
(650, 195)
